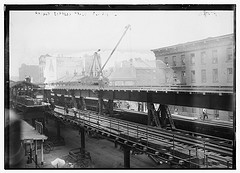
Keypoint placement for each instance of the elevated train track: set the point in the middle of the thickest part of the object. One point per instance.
(188, 148)
(209, 97)
(169, 146)
(164, 88)
(207, 128)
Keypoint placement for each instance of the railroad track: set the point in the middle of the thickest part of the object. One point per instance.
(166, 88)
(200, 151)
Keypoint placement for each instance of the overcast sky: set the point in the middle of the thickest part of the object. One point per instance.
(33, 33)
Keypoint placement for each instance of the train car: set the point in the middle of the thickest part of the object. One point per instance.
(27, 102)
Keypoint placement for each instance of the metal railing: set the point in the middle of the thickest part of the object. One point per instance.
(150, 138)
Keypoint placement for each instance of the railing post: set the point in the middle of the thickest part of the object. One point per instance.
(204, 152)
(84, 119)
(36, 161)
(196, 151)
(147, 135)
(173, 145)
(137, 131)
(110, 125)
(128, 130)
(118, 129)
(89, 119)
(98, 122)
(42, 152)
(207, 161)
(189, 153)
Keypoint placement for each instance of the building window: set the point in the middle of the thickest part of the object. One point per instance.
(184, 109)
(203, 58)
(215, 75)
(194, 110)
(192, 58)
(214, 57)
(193, 79)
(204, 76)
(174, 60)
(183, 77)
(216, 114)
(229, 54)
(229, 74)
(166, 60)
(183, 59)
(183, 73)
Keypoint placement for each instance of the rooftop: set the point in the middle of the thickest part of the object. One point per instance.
(189, 45)
(22, 83)
(29, 132)
(123, 73)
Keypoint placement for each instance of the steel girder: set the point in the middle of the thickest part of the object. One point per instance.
(216, 101)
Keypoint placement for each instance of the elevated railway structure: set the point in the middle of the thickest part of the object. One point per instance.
(219, 98)
(218, 128)
(171, 147)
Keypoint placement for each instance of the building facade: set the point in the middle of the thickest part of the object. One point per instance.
(207, 62)
(136, 72)
(56, 67)
(29, 70)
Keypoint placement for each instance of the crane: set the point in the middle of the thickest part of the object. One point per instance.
(96, 64)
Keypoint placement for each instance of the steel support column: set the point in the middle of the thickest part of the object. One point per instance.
(42, 152)
(153, 115)
(150, 119)
(47, 95)
(110, 107)
(56, 100)
(163, 116)
(36, 161)
(100, 102)
(82, 134)
(82, 103)
(62, 100)
(126, 151)
(58, 129)
(31, 153)
(74, 100)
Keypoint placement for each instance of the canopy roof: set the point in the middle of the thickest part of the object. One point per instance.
(28, 132)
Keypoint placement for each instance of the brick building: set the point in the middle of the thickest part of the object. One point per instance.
(207, 62)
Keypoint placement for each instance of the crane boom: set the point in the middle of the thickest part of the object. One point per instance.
(126, 28)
